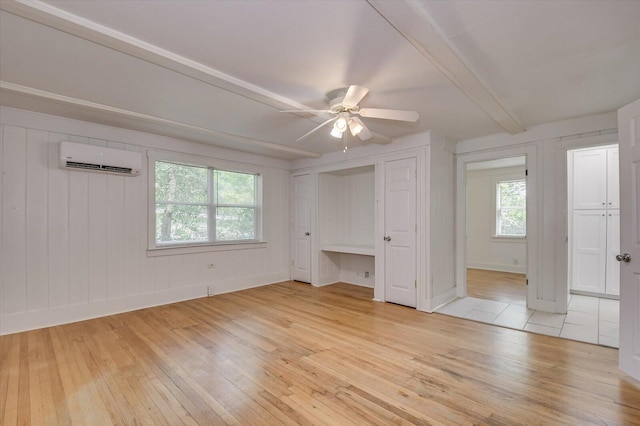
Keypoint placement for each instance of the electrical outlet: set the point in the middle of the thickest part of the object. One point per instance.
(211, 265)
(366, 274)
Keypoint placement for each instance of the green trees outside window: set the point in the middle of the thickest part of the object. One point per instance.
(204, 205)
(511, 208)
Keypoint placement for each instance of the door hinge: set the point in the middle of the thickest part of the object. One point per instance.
(415, 283)
(292, 262)
(416, 229)
(526, 172)
(415, 174)
(527, 281)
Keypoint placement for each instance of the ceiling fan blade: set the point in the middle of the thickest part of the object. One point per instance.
(316, 128)
(310, 111)
(354, 96)
(365, 134)
(389, 114)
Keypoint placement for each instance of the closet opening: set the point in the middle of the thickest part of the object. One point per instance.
(593, 241)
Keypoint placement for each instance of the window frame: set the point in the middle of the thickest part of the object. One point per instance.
(156, 248)
(498, 210)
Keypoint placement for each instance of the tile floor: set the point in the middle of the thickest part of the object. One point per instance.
(588, 319)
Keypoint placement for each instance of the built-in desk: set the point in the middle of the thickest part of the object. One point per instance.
(350, 249)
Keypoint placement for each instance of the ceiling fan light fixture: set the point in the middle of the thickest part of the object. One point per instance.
(336, 133)
(355, 126)
(340, 125)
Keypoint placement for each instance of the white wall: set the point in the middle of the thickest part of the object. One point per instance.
(73, 244)
(550, 142)
(484, 251)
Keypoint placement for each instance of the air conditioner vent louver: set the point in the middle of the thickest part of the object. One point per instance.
(90, 158)
(73, 164)
(113, 169)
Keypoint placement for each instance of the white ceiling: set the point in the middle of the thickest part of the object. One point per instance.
(219, 72)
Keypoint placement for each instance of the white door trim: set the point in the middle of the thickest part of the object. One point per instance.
(292, 225)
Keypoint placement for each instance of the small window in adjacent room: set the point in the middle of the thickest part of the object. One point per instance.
(511, 209)
(202, 205)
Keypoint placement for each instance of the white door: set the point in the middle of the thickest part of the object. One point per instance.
(400, 232)
(629, 144)
(301, 245)
(613, 249)
(589, 246)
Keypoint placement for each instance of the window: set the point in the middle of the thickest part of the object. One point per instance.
(203, 205)
(511, 211)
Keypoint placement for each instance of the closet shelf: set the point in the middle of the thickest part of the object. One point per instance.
(351, 249)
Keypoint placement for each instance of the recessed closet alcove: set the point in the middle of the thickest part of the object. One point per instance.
(346, 226)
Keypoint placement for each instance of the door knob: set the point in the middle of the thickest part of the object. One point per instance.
(387, 238)
(307, 234)
(626, 258)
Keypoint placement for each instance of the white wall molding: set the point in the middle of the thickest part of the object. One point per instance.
(502, 267)
(591, 125)
(25, 321)
(59, 19)
(93, 106)
(52, 123)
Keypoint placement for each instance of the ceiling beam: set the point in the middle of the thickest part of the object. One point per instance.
(93, 106)
(59, 19)
(413, 23)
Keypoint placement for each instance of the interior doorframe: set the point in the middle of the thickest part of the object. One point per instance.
(562, 234)
(532, 238)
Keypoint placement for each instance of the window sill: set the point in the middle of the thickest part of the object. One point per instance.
(204, 248)
(509, 238)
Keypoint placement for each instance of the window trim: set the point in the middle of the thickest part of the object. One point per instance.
(497, 209)
(155, 249)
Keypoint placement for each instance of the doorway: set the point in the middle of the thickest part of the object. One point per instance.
(301, 236)
(593, 241)
(496, 229)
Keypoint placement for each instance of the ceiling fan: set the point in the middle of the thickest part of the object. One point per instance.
(344, 106)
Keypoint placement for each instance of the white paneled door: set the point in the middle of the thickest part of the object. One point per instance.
(400, 232)
(629, 257)
(301, 247)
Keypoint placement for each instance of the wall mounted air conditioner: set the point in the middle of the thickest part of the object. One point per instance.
(90, 158)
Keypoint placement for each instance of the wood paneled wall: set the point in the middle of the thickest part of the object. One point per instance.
(73, 244)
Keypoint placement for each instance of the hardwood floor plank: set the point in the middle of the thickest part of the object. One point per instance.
(501, 286)
(291, 353)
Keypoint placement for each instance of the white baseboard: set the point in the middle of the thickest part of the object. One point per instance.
(516, 269)
(25, 321)
(432, 304)
(355, 279)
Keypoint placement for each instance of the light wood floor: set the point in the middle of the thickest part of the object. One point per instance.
(495, 285)
(294, 354)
